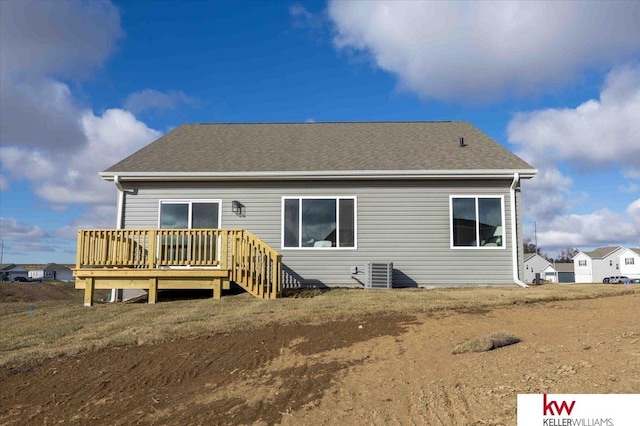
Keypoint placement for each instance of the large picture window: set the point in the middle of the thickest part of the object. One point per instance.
(328, 222)
(477, 222)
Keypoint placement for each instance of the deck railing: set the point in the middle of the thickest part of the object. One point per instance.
(252, 263)
(255, 265)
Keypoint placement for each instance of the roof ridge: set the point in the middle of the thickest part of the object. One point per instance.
(322, 122)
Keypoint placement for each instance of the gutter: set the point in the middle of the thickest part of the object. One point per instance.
(514, 232)
(318, 174)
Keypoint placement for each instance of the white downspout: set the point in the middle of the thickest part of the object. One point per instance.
(514, 232)
(116, 180)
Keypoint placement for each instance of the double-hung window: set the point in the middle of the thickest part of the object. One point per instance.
(477, 221)
(582, 263)
(628, 261)
(319, 222)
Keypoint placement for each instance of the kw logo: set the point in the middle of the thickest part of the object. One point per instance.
(548, 407)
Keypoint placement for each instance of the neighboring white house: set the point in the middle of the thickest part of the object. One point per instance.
(10, 271)
(594, 266)
(52, 271)
(559, 272)
(534, 263)
(630, 263)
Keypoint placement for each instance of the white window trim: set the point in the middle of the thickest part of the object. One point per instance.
(478, 247)
(190, 202)
(320, 197)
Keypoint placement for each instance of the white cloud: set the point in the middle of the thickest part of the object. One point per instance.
(40, 40)
(98, 216)
(46, 136)
(601, 133)
(299, 11)
(547, 195)
(600, 228)
(630, 187)
(151, 99)
(598, 135)
(73, 177)
(302, 18)
(40, 113)
(13, 230)
(56, 37)
(633, 210)
(458, 51)
(29, 242)
(27, 248)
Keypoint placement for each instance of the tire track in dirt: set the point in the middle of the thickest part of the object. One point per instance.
(209, 380)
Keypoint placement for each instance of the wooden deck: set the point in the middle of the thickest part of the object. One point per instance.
(159, 259)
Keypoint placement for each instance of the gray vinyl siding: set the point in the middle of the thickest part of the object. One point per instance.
(405, 222)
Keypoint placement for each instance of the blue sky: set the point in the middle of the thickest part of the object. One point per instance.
(85, 84)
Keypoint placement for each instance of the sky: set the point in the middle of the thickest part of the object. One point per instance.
(84, 84)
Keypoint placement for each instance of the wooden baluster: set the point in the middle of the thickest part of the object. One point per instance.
(151, 248)
(79, 249)
(223, 257)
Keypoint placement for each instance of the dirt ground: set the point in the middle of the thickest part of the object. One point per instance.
(376, 370)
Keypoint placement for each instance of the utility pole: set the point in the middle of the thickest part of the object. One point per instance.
(535, 235)
(1, 254)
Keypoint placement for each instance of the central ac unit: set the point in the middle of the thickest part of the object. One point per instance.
(379, 275)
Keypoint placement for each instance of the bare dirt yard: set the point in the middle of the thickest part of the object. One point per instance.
(341, 357)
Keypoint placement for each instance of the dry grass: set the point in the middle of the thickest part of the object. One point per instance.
(33, 331)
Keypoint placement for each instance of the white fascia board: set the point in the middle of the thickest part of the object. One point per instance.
(310, 175)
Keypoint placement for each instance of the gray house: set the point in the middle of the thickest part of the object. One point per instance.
(52, 271)
(438, 203)
(11, 271)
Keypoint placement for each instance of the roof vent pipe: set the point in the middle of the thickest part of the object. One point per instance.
(462, 142)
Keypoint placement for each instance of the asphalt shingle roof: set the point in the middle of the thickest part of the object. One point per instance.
(308, 147)
(601, 252)
(564, 267)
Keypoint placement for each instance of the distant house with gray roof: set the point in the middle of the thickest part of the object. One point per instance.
(559, 272)
(11, 271)
(439, 200)
(534, 264)
(594, 266)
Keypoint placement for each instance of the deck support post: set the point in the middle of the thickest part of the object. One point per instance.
(89, 286)
(153, 290)
(217, 288)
